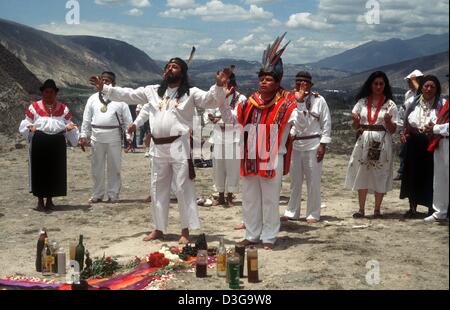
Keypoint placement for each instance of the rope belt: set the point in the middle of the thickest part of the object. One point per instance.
(168, 140)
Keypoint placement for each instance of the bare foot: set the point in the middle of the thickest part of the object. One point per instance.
(239, 226)
(246, 242)
(312, 221)
(148, 199)
(49, 205)
(284, 218)
(268, 246)
(154, 235)
(184, 239)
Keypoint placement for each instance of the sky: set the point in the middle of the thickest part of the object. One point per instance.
(239, 29)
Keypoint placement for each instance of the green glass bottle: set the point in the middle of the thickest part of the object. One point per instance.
(79, 253)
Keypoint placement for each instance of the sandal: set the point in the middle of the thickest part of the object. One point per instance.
(377, 215)
(358, 215)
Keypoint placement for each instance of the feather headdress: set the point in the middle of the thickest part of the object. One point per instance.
(272, 55)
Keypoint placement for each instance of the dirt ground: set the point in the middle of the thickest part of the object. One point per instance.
(332, 254)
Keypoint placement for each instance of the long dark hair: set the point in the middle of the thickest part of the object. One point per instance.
(436, 82)
(366, 89)
(184, 87)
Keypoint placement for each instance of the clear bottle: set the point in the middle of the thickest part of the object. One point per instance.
(54, 248)
(72, 248)
(39, 247)
(221, 259)
(47, 259)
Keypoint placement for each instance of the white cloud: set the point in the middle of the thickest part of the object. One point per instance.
(182, 4)
(308, 21)
(134, 3)
(134, 12)
(217, 11)
(140, 3)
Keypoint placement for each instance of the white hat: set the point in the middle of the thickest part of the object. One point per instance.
(415, 73)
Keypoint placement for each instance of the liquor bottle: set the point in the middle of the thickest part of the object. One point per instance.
(72, 248)
(221, 259)
(201, 266)
(79, 253)
(54, 248)
(40, 246)
(233, 267)
(252, 265)
(240, 250)
(47, 259)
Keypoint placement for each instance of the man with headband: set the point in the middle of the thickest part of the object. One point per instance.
(104, 121)
(170, 109)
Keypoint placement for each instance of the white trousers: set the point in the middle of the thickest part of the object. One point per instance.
(167, 172)
(441, 180)
(305, 166)
(260, 206)
(226, 171)
(111, 154)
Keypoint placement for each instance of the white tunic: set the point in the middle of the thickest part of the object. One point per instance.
(363, 173)
(94, 116)
(169, 117)
(218, 136)
(319, 123)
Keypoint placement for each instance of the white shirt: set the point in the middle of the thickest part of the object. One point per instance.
(319, 123)
(51, 123)
(421, 115)
(439, 129)
(94, 116)
(169, 117)
(218, 135)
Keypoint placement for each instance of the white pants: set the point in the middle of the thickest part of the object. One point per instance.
(111, 154)
(305, 166)
(226, 171)
(260, 206)
(441, 180)
(164, 171)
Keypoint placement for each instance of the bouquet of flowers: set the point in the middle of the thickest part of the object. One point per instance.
(103, 267)
(157, 260)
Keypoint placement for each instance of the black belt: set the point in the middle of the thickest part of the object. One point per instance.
(168, 140)
(307, 137)
(104, 127)
(372, 128)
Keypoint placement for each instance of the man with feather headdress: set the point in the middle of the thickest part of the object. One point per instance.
(266, 119)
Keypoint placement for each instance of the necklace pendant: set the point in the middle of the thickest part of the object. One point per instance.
(104, 109)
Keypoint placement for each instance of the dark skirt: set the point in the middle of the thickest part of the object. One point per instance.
(48, 160)
(417, 178)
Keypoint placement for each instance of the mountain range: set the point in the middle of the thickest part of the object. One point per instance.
(29, 56)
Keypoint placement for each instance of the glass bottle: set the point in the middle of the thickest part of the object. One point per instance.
(39, 247)
(47, 259)
(240, 250)
(221, 259)
(233, 266)
(201, 266)
(252, 265)
(72, 249)
(79, 253)
(61, 259)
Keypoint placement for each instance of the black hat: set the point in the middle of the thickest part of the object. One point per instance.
(49, 84)
(304, 76)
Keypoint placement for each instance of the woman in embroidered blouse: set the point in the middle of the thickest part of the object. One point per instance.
(375, 118)
(417, 180)
(46, 126)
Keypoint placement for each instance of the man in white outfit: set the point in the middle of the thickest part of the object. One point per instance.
(439, 146)
(226, 148)
(104, 122)
(266, 119)
(170, 109)
(308, 151)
